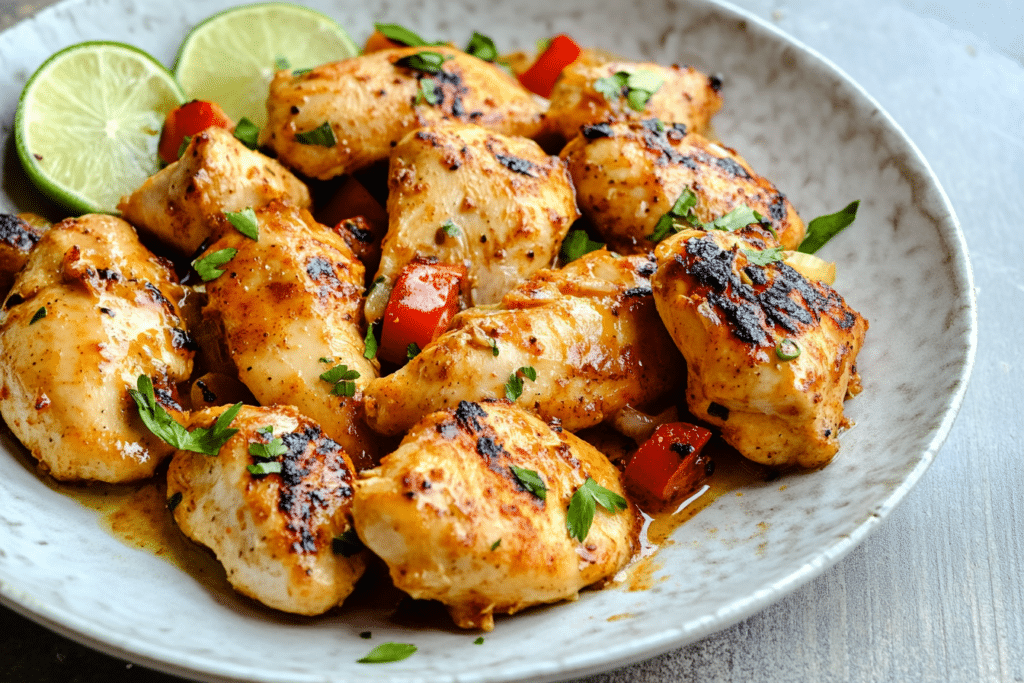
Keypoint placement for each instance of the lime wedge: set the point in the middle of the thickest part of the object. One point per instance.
(231, 57)
(88, 123)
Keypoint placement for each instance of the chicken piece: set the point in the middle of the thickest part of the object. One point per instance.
(589, 330)
(507, 205)
(18, 236)
(275, 532)
(770, 356)
(290, 307)
(685, 96)
(370, 102)
(455, 523)
(91, 312)
(181, 204)
(630, 174)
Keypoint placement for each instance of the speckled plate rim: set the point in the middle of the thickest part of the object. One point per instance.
(615, 655)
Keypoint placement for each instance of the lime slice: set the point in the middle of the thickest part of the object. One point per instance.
(231, 57)
(88, 123)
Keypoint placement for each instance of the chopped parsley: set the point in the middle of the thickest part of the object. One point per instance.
(479, 640)
(576, 244)
(494, 347)
(427, 61)
(531, 481)
(245, 222)
(514, 385)
(38, 315)
(388, 652)
(823, 228)
(341, 378)
(262, 469)
(247, 132)
(370, 344)
(200, 440)
(322, 135)
(583, 505)
(482, 47)
(762, 257)
(427, 92)
(401, 34)
(494, 546)
(209, 266)
(450, 228)
(637, 87)
(682, 210)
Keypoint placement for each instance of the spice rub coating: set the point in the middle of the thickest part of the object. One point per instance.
(729, 315)
(452, 521)
(272, 532)
(290, 309)
(629, 174)
(590, 330)
(181, 204)
(92, 310)
(370, 102)
(509, 203)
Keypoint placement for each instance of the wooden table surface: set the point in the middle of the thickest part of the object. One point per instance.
(937, 592)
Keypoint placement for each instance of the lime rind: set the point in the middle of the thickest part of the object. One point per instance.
(88, 123)
(230, 57)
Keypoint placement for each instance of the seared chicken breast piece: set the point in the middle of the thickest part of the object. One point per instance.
(630, 174)
(361, 107)
(770, 356)
(18, 237)
(455, 523)
(590, 331)
(183, 204)
(289, 305)
(91, 311)
(684, 96)
(462, 194)
(270, 505)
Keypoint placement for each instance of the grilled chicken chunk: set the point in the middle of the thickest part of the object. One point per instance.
(18, 237)
(272, 532)
(91, 312)
(630, 174)
(462, 194)
(770, 356)
(685, 96)
(290, 307)
(455, 523)
(364, 105)
(183, 204)
(589, 330)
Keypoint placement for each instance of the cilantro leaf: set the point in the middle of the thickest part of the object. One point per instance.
(514, 385)
(247, 132)
(482, 47)
(637, 86)
(583, 505)
(400, 34)
(576, 244)
(322, 135)
(245, 222)
(38, 315)
(682, 210)
(261, 469)
(823, 228)
(268, 451)
(611, 86)
(531, 481)
(479, 640)
(341, 377)
(209, 266)
(427, 92)
(164, 426)
(762, 257)
(370, 344)
(738, 218)
(427, 61)
(388, 652)
(494, 348)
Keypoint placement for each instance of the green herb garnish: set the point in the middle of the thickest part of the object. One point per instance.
(682, 210)
(482, 47)
(637, 87)
(427, 92)
(762, 257)
(514, 385)
(247, 132)
(412, 350)
(281, 63)
(322, 135)
(388, 652)
(479, 640)
(576, 244)
(584, 504)
(494, 347)
(38, 315)
(209, 266)
(531, 481)
(261, 469)
(494, 546)
(200, 440)
(184, 145)
(450, 228)
(271, 450)
(401, 34)
(348, 544)
(341, 377)
(738, 218)
(370, 344)
(823, 228)
(245, 222)
(428, 62)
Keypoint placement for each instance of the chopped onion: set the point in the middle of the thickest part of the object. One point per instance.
(639, 426)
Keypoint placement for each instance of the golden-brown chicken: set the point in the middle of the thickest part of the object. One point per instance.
(630, 174)
(455, 523)
(290, 307)
(18, 237)
(770, 356)
(684, 95)
(274, 505)
(216, 173)
(361, 107)
(462, 194)
(590, 331)
(91, 312)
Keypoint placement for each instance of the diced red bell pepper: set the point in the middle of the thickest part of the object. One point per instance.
(541, 76)
(422, 304)
(669, 465)
(187, 121)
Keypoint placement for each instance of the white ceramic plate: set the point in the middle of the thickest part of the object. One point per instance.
(799, 121)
